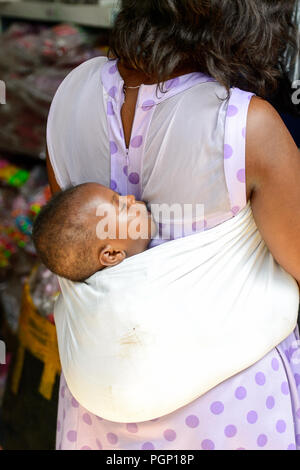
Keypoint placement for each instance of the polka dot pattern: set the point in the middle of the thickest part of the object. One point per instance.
(137, 141)
(230, 430)
(110, 109)
(113, 185)
(240, 393)
(87, 419)
(228, 151)
(172, 83)
(207, 444)
(235, 148)
(113, 148)
(113, 69)
(112, 92)
(270, 402)
(297, 379)
(252, 417)
(217, 412)
(192, 421)
(74, 403)
(148, 446)
(260, 378)
(134, 178)
(235, 209)
(147, 105)
(280, 426)
(287, 353)
(132, 427)
(262, 440)
(72, 436)
(241, 177)
(285, 388)
(169, 434)
(217, 407)
(112, 438)
(251, 410)
(232, 110)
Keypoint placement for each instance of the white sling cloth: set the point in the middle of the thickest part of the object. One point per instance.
(148, 336)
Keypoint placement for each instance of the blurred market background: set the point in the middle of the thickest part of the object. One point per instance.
(36, 53)
(40, 43)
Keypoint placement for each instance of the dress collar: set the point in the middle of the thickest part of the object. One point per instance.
(148, 95)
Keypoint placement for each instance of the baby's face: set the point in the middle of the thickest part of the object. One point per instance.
(122, 221)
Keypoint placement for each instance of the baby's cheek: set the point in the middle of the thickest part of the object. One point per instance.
(122, 224)
(140, 228)
(122, 228)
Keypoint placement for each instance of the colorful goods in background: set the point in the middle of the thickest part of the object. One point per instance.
(11, 174)
(34, 59)
(21, 199)
(11, 236)
(16, 222)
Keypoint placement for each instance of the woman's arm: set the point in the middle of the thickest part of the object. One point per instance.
(273, 173)
(51, 177)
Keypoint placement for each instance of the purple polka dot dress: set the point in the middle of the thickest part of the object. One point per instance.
(186, 146)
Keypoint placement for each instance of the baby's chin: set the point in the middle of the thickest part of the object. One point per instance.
(152, 227)
(147, 236)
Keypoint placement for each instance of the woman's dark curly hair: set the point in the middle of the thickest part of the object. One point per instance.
(238, 42)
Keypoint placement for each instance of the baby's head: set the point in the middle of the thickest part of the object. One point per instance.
(88, 227)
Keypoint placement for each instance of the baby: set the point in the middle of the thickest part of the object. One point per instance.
(71, 237)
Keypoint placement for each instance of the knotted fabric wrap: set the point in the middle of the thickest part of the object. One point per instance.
(130, 337)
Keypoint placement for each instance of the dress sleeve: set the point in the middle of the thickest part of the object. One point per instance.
(235, 147)
(61, 119)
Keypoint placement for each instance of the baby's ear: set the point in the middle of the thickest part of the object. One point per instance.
(109, 256)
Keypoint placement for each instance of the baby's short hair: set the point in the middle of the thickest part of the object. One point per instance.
(63, 240)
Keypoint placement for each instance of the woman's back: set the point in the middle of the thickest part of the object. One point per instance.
(190, 148)
(180, 152)
(187, 145)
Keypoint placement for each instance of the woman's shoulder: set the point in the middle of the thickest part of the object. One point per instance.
(266, 133)
(82, 78)
(80, 75)
(273, 169)
(262, 108)
(86, 67)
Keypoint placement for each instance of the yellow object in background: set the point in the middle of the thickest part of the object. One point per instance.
(38, 336)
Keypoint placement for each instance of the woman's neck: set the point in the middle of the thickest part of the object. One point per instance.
(133, 77)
